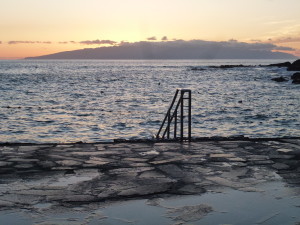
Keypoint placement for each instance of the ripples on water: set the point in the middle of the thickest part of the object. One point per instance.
(68, 101)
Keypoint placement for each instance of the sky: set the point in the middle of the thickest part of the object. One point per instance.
(39, 27)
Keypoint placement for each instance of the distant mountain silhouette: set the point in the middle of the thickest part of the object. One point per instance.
(178, 49)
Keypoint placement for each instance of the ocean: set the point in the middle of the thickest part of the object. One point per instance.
(65, 101)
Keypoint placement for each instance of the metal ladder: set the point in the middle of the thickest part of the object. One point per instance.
(178, 115)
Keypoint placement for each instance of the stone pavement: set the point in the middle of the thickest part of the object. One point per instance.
(82, 173)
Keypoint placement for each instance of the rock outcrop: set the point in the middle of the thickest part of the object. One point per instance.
(279, 79)
(230, 66)
(295, 66)
(296, 78)
(285, 64)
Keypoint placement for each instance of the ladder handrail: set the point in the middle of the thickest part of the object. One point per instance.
(170, 115)
(173, 115)
(169, 111)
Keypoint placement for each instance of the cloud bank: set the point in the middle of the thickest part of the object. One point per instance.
(87, 42)
(178, 49)
(152, 38)
(285, 40)
(98, 42)
(29, 42)
(63, 42)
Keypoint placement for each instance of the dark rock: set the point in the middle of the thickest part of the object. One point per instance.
(285, 64)
(295, 66)
(195, 68)
(296, 78)
(279, 79)
(229, 66)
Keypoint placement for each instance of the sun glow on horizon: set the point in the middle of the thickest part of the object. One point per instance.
(33, 27)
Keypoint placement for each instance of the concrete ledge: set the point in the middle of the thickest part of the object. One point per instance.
(195, 139)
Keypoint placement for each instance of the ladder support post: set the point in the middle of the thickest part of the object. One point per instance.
(175, 126)
(169, 125)
(181, 115)
(190, 116)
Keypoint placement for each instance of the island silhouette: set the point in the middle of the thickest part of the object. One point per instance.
(177, 49)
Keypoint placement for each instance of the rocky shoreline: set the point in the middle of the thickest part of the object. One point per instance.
(295, 66)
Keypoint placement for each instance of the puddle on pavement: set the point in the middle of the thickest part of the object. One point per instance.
(275, 204)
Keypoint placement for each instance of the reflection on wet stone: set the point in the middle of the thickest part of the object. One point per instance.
(189, 213)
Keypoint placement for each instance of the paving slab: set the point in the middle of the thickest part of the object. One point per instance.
(58, 174)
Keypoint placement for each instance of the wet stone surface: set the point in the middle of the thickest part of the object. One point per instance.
(82, 173)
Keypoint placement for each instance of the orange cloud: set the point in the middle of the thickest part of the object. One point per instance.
(152, 38)
(29, 42)
(297, 52)
(88, 42)
(285, 40)
(98, 42)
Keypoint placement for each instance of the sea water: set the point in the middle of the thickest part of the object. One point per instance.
(101, 100)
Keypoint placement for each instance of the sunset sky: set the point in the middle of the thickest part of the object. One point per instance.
(39, 27)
